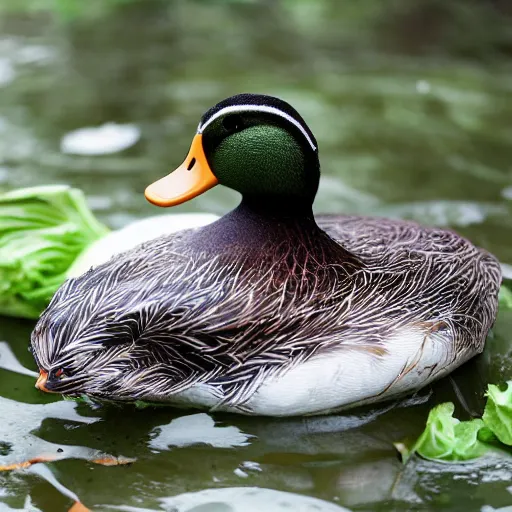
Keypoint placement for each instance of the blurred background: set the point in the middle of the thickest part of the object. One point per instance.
(411, 103)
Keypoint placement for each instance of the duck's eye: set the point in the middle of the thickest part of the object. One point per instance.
(60, 373)
(232, 123)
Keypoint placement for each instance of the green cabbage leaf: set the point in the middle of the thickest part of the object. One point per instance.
(498, 412)
(445, 438)
(42, 231)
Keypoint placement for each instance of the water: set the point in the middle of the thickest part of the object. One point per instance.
(410, 122)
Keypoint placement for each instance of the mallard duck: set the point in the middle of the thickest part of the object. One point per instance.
(268, 310)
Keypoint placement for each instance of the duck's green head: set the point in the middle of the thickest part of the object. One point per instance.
(257, 145)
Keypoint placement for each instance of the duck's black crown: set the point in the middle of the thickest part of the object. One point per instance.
(261, 100)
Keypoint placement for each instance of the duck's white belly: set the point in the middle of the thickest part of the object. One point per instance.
(342, 379)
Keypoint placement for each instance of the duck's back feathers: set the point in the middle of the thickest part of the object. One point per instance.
(161, 324)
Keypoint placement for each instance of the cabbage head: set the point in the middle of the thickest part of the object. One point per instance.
(42, 231)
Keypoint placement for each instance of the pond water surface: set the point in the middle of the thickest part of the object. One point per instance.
(399, 135)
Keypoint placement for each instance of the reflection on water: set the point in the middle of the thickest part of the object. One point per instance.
(411, 105)
(8, 361)
(105, 139)
(241, 499)
(197, 429)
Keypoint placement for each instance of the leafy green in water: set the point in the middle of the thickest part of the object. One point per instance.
(498, 412)
(42, 231)
(486, 435)
(445, 438)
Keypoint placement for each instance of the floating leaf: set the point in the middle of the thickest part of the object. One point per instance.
(445, 438)
(498, 412)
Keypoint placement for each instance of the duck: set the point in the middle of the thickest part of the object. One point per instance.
(268, 310)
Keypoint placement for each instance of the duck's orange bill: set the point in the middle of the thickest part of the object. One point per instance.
(190, 179)
(41, 381)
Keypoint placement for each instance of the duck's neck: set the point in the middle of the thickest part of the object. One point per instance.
(259, 226)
